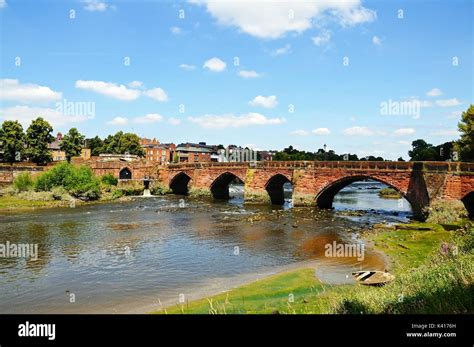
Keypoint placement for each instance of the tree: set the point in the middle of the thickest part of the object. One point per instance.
(38, 138)
(465, 144)
(12, 143)
(130, 143)
(95, 144)
(72, 143)
(423, 151)
(121, 143)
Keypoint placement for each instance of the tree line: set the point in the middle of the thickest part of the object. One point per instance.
(462, 149)
(34, 144)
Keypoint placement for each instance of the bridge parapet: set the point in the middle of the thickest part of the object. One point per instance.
(351, 165)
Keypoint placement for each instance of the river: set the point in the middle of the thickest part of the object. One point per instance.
(136, 256)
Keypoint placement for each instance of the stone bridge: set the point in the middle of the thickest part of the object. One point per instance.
(314, 183)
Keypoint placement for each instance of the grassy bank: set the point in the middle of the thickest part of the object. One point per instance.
(62, 185)
(427, 280)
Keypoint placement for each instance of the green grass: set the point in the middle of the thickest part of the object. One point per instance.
(426, 281)
(289, 292)
(16, 203)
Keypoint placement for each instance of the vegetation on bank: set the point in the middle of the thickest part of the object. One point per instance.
(389, 193)
(434, 268)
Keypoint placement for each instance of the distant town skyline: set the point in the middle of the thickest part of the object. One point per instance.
(365, 77)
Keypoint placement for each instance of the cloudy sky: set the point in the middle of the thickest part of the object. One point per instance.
(365, 77)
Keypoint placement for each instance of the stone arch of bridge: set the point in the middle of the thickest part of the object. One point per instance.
(325, 197)
(468, 201)
(220, 185)
(125, 174)
(275, 189)
(179, 184)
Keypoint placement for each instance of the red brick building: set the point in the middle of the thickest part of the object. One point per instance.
(160, 153)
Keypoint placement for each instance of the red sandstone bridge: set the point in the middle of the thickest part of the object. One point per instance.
(314, 183)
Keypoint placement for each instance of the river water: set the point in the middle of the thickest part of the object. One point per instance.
(139, 255)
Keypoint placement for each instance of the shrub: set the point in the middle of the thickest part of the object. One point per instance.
(80, 182)
(23, 182)
(446, 212)
(118, 193)
(59, 193)
(54, 177)
(109, 179)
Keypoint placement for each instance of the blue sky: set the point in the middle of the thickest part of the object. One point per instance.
(146, 69)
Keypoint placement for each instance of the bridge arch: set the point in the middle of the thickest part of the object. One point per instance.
(179, 183)
(220, 186)
(326, 196)
(125, 174)
(468, 201)
(275, 190)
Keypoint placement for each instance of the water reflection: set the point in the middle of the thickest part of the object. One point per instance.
(112, 254)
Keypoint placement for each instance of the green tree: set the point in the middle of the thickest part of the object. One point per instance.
(72, 143)
(12, 141)
(423, 151)
(96, 145)
(130, 143)
(465, 144)
(38, 138)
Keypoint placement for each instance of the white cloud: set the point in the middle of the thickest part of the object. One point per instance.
(233, 121)
(3, 3)
(135, 84)
(249, 74)
(215, 64)
(175, 30)
(109, 89)
(264, 101)
(377, 41)
(321, 131)
(455, 114)
(445, 132)
(187, 67)
(299, 133)
(118, 121)
(174, 121)
(25, 114)
(322, 39)
(434, 92)
(156, 94)
(13, 90)
(282, 50)
(404, 131)
(358, 131)
(271, 20)
(148, 119)
(448, 102)
(96, 6)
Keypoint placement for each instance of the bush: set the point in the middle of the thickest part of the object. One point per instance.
(109, 179)
(80, 182)
(446, 212)
(118, 193)
(23, 182)
(59, 193)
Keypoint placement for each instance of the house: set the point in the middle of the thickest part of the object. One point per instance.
(196, 152)
(55, 147)
(58, 155)
(160, 153)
